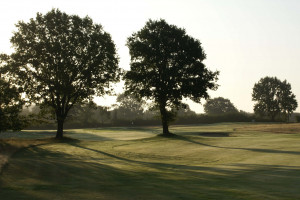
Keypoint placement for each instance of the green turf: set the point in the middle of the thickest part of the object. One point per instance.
(222, 161)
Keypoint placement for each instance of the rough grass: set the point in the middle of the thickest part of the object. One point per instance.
(221, 161)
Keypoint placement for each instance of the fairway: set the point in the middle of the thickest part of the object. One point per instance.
(218, 161)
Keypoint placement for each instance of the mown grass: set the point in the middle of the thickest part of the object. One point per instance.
(221, 161)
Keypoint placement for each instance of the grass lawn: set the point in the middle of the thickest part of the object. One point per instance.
(218, 161)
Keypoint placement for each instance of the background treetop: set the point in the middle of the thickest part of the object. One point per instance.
(273, 98)
(219, 105)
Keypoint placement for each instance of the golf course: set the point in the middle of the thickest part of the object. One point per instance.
(215, 161)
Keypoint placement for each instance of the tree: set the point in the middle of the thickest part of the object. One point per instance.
(10, 101)
(129, 107)
(264, 92)
(219, 105)
(288, 102)
(167, 66)
(273, 97)
(62, 60)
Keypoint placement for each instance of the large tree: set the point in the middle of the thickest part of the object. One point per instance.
(62, 60)
(219, 105)
(273, 97)
(167, 66)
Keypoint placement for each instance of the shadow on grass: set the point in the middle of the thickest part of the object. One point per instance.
(207, 134)
(158, 165)
(37, 173)
(187, 139)
(8, 147)
(86, 136)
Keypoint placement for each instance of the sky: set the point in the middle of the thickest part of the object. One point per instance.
(244, 40)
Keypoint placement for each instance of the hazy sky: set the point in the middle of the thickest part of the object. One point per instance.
(244, 39)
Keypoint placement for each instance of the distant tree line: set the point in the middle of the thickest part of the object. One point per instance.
(60, 62)
(128, 112)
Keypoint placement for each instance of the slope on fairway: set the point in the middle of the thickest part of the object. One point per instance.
(223, 161)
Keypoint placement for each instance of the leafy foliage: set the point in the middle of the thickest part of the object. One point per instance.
(219, 105)
(10, 101)
(62, 60)
(273, 97)
(129, 108)
(167, 66)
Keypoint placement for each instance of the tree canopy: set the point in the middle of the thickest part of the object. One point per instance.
(273, 97)
(61, 60)
(166, 67)
(219, 105)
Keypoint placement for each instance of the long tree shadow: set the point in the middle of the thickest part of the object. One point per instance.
(37, 173)
(207, 134)
(86, 136)
(238, 148)
(160, 165)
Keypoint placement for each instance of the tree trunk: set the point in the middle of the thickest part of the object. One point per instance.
(165, 128)
(60, 129)
(164, 120)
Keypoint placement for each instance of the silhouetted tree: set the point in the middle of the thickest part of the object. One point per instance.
(273, 97)
(10, 101)
(219, 105)
(166, 66)
(61, 60)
